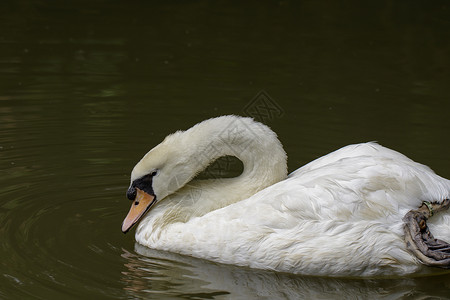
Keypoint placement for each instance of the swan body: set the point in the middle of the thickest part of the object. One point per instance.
(340, 215)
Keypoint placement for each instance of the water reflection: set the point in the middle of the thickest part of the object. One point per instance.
(153, 273)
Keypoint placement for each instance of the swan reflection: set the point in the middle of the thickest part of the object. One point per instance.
(154, 273)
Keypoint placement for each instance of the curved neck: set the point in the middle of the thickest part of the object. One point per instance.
(258, 148)
(253, 143)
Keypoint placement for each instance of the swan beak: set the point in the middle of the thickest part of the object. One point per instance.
(140, 206)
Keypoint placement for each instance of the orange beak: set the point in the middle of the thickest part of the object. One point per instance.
(140, 206)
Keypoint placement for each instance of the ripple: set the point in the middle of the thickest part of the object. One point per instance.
(58, 240)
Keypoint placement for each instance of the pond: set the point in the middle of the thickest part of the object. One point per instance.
(88, 87)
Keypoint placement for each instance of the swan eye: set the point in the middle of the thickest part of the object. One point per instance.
(144, 184)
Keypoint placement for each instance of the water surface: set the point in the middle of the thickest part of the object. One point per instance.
(88, 87)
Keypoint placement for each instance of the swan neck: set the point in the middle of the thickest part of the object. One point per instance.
(255, 144)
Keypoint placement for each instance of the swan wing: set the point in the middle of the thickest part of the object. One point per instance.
(340, 214)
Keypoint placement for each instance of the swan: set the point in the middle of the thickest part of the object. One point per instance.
(360, 211)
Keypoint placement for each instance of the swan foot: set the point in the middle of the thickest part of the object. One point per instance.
(420, 241)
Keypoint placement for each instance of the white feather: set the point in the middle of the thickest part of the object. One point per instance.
(340, 215)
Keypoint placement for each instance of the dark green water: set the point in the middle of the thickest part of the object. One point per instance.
(87, 87)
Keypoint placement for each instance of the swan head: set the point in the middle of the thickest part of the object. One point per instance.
(181, 156)
(161, 172)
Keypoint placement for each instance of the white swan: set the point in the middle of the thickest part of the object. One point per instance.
(340, 215)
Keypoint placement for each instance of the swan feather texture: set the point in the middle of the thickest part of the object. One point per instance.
(340, 215)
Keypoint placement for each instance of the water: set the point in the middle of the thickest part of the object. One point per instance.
(87, 87)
